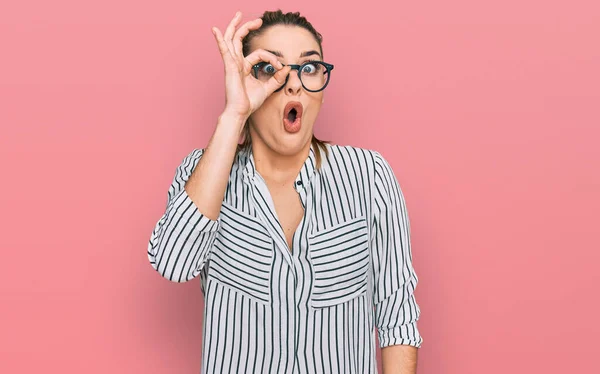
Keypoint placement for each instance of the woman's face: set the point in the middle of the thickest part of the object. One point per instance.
(273, 124)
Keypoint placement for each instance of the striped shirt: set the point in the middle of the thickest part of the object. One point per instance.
(313, 308)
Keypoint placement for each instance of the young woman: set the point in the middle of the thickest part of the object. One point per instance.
(302, 247)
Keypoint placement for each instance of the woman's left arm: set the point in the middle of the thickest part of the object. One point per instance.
(399, 359)
(394, 278)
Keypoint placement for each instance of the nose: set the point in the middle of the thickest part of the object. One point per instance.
(294, 85)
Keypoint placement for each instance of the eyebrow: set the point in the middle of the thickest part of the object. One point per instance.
(303, 54)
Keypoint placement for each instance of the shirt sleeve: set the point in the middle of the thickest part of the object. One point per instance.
(182, 238)
(394, 279)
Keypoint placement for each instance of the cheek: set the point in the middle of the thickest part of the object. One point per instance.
(267, 113)
(315, 107)
(264, 109)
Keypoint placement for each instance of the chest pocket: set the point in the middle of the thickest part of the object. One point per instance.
(242, 255)
(340, 259)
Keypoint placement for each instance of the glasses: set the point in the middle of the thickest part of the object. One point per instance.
(314, 75)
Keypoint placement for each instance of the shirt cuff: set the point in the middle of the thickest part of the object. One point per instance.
(406, 334)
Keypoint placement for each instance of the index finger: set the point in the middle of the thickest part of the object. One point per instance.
(228, 36)
(262, 55)
(242, 32)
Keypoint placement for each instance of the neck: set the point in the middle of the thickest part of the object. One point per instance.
(276, 167)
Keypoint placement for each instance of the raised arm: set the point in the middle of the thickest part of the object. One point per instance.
(182, 238)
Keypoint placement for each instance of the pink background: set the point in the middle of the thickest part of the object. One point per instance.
(489, 114)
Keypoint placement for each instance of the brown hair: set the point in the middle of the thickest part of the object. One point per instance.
(279, 18)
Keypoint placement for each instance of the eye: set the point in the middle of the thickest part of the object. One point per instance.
(309, 68)
(267, 69)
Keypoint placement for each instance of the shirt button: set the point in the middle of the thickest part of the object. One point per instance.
(299, 183)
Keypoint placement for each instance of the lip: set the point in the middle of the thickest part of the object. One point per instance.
(293, 127)
(293, 105)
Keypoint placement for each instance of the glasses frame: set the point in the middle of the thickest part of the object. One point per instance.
(329, 68)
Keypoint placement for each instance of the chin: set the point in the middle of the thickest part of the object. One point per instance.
(292, 143)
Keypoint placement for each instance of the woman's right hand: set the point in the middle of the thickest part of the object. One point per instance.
(244, 93)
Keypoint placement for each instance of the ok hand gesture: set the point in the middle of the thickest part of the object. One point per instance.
(244, 93)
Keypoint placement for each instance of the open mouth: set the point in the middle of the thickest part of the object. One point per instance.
(292, 115)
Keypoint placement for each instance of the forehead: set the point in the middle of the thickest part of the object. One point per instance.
(290, 40)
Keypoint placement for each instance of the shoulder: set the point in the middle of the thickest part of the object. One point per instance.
(189, 159)
(364, 159)
(192, 156)
(368, 164)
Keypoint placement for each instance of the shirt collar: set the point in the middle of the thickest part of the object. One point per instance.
(303, 178)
